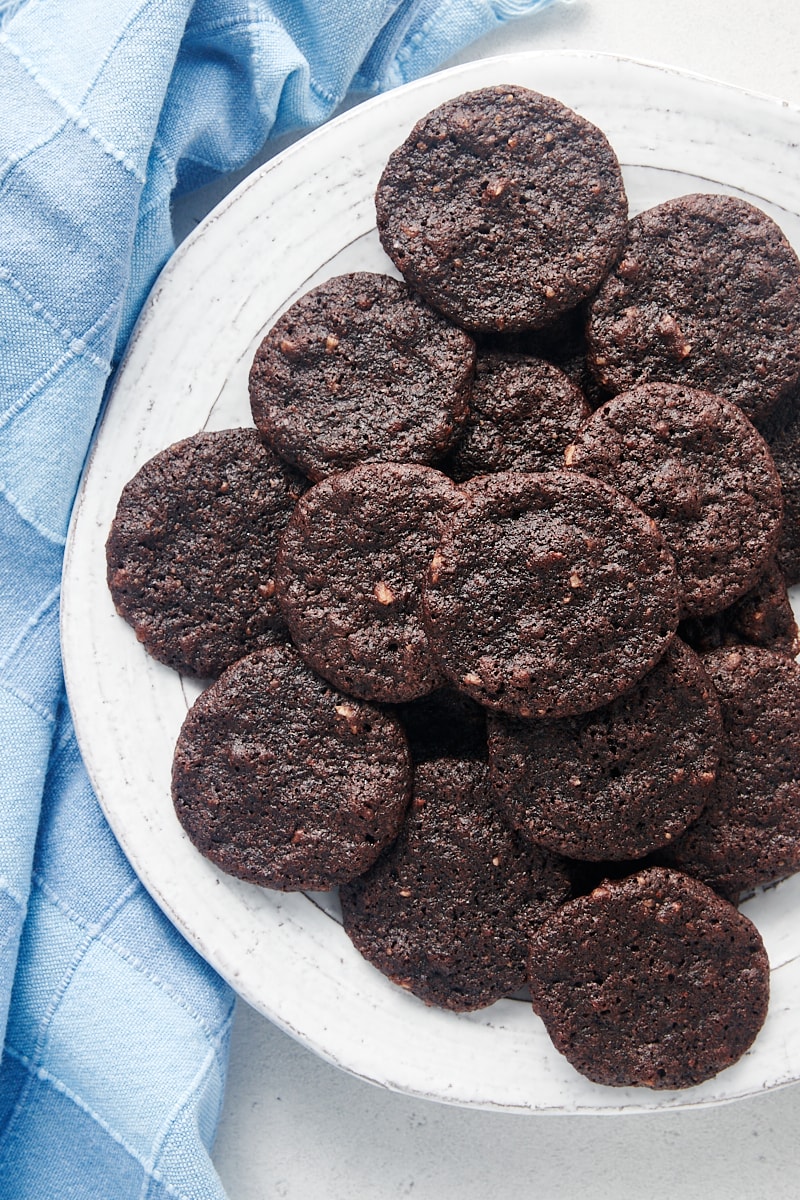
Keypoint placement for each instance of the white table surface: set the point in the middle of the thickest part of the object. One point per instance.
(294, 1126)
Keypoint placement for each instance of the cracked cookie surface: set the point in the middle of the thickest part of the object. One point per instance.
(191, 552)
(360, 369)
(549, 594)
(650, 981)
(281, 780)
(706, 293)
(447, 911)
(503, 207)
(618, 782)
(695, 464)
(349, 576)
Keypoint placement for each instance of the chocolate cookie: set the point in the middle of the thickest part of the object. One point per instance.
(695, 464)
(618, 782)
(361, 369)
(705, 294)
(283, 781)
(562, 343)
(785, 449)
(549, 594)
(191, 552)
(523, 414)
(349, 574)
(650, 981)
(503, 207)
(762, 617)
(448, 910)
(749, 833)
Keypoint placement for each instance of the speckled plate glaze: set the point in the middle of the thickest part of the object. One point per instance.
(301, 218)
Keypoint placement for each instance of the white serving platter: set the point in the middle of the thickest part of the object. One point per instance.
(304, 216)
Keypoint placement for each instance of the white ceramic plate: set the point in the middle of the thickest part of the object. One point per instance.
(301, 218)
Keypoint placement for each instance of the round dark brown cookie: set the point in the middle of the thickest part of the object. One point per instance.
(650, 981)
(695, 464)
(448, 910)
(349, 573)
(785, 448)
(618, 782)
(281, 780)
(549, 594)
(444, 724)
(562, 343)
(764, 616)
(361, 369)
(523, 414)
(191, 552)
(503, 207)
(705, 294)
(749, 832)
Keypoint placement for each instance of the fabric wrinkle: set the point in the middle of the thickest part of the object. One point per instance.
(117, 1031)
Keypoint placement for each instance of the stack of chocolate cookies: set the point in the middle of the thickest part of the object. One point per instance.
(493, 599)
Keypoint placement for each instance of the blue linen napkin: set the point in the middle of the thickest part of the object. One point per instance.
(113, 1073)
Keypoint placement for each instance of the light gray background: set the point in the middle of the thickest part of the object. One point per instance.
(295, 1127)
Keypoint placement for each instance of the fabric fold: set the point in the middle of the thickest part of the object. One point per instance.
(113, 1073)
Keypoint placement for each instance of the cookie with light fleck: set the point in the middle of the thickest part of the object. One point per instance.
(618, 782)
(503, 207)
(695, 464)
(523, 414)
(749, 832)
(349, 576)
(706, 294)
(191, 552)
(282, 781)
(549, 594)
(562, 343)
(361, 369)
(448, 910)
(650, 981)
(762, 617)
